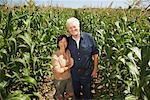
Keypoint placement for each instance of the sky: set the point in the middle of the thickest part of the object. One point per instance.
(79, 3)
(86, 3)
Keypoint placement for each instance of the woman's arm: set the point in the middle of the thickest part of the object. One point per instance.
(70, 60)
(56, 65)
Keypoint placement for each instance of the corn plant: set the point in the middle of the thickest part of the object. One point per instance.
(28, 39)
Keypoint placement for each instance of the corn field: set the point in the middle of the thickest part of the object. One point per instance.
(28, 39)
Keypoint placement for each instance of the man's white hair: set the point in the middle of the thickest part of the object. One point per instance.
(72, 20)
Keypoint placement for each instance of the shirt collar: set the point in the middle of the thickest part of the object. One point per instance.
(81, 36)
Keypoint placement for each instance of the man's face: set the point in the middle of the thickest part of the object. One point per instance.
(73, 29)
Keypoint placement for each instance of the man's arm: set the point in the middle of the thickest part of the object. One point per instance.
(95, 65)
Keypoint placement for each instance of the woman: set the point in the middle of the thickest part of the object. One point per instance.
(62, 62)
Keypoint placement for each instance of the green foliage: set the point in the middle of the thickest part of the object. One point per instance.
(28, 38)
(119, 35)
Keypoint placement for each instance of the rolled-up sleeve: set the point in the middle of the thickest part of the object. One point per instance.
(94, 47)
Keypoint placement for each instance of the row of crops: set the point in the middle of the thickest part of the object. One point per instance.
(28, 38)
(123, 37)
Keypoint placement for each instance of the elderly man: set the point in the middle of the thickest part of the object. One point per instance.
(85, 54)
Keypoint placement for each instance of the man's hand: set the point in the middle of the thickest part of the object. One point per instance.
(94, 74)
(95, 64)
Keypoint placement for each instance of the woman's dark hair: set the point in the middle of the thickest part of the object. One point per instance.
(60, 38)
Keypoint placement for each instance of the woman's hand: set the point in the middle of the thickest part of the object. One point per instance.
(62, 61)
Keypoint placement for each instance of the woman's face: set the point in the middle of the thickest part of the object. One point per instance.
(63, 43)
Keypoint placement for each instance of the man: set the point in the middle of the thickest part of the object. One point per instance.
(85, 54)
